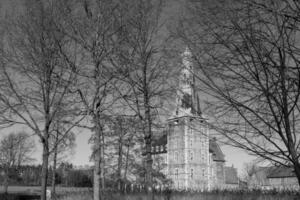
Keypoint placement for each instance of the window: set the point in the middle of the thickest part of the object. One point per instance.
(191, 142)
(203, 142)
(191, 155)
(202, 157)
(219, 169)
(176, 156)
(192, 173)
(191, 132)
(176, 173)
(203, 172)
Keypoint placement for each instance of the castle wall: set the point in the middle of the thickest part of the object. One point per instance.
(220, 173)
(188, 154)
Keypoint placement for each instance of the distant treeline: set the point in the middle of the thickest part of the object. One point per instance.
(66, 175)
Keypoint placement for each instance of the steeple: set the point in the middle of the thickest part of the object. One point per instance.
(187, 100)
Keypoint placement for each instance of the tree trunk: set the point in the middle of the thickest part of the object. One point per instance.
(44, 171)
(97, 179)
(297, 171)
(126, 164)
(148, 141)
(102, 163)
(99, 182)
(53, 192)
(120, 157)
(6, 179)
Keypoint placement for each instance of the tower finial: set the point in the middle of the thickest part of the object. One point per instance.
(187, 52)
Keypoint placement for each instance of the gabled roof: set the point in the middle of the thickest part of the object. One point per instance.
(281, 172)
(231, 176)
(217, 154)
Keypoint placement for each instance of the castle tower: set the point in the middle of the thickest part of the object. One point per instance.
(188, 141)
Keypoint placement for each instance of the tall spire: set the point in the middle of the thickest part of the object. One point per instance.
(186, 103)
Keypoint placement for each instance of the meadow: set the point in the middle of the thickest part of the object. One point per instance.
(68, 193)
(214, 195)
(32, 192)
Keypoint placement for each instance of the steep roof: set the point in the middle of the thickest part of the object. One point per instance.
(216, 151)
(160, 140)
(231, 176)
(214, 148)
(281, 172)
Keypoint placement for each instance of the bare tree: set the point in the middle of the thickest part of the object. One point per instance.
(62, 143)
(247, 54)
(92, 25)
(123, 134)
(142, 68)
(35, 77)
(15, 149)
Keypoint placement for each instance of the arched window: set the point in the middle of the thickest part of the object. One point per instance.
(176, 173)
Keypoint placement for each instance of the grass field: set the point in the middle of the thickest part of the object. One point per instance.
(36, 189)
(33, 192)
(86, 194)
(223, 195)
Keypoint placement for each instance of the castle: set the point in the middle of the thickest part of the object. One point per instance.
(193, 159)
